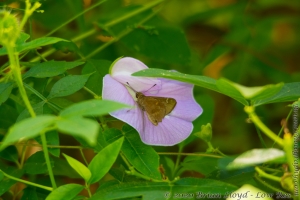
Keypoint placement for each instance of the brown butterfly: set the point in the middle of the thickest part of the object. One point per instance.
(156, 107)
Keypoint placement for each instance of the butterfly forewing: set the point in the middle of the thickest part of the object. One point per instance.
(156, 107)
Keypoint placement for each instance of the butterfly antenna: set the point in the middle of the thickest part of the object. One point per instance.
(151, 87)
(131, 87)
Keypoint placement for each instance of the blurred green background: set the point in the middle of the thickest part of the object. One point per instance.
(250, 42)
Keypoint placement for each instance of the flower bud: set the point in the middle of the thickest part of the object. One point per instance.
(8, 28)
(205, 133)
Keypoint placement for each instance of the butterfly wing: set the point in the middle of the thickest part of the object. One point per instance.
(158, 107)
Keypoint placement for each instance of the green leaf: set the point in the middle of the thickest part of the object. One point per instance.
(29, 193)
(65, 192)
(80, 168)
(10, 153)
(68, 85)
(52, 139)
(50, 69)
(255, 93)
(62, 168)
(257, 156)
(103, 161)
(160, 41)
(289, 92)
(201, 81)
(99, 68)
(192, 187)
(43, 41)
(36, 164)
(6, 183)
(38, 109)
(28, 128)
(5, 90)
(79, 127)
(92, 108)
(228, 89)
(143, 157)
(203, 165)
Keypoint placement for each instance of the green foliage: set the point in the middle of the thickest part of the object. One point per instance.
(241, 56)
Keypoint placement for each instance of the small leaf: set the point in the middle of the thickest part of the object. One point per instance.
(43, 41)
(103, 161)
(65, 192)
(68, 85)
(99, 68)
(257, 156)
(50, 69)
(92, 108)
(26, 129)
(79, 127)
(80, 168)
(143, 157)
(36, 164)
(10, 153)
(5, 90)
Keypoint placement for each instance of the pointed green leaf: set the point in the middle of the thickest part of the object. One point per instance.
(43, 41)
(10, 153)
(79, 127)
(68, 85)
(50, 68)
(80, 168)
(143, 157)
(28, 128)
(29, 193)
(65, 192)
(103, 161)
(92, 108)
(289, 92)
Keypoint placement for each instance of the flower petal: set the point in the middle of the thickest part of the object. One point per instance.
(115, 91)
(186, 108)
(170, 131)
(123, 69)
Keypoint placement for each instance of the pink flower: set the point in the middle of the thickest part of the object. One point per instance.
(176, 126)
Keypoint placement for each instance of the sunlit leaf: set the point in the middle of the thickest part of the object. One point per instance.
(65, 192)
(80, 168)
(103, 161)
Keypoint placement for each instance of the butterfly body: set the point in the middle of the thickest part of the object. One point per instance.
(155, 107)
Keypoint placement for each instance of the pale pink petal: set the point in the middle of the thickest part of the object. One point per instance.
(186, 108)
(170, 131)
(115, 91)
(123, 69)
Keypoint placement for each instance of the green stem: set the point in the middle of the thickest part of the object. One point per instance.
(92, 93)
(255, 119)
(282, 127)
(122, 34)
(190, 154)
(177, 161)
(73, 18)
(82, 154)
(15, 67)
(269, 186)
(46, 154)
(261, 173)
(87, 187)
(135, 12)
(260, 137)
(26, 182)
